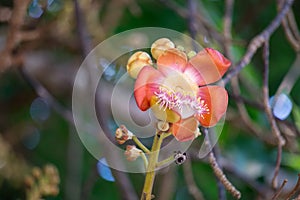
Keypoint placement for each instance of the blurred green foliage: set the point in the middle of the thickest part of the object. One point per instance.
(244, 150)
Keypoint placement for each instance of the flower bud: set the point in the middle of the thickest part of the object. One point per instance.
(163, 126)
(132, 153)
(136, 62)
(160, 45)
(122, 134)
(29, 181)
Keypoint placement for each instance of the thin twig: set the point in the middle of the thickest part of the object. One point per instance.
(277, 193)
(290, 78)
(43, 92)
(262, 189)
(192, 24)
(122, 179)
(188, 175)
(258, 41)
(271, 118)
(221, 176)
(84, 38)
(295, 189)
(290, 28)
(227, 23)
(184, 13)
(218, 171)
(220, 186)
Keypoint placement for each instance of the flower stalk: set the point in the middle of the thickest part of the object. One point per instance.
(140, 145)
(150, 175)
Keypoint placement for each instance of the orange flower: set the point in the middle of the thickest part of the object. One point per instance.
(177, 90)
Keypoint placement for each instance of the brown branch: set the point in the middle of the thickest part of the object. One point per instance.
(290, 78)
(83, 35)
(217, 169)
(5, 14)
(295, 189)
(122, 180)
(189, 179)
(258, 41)
(43, 92)
(13, 37)
(203, 24)
(268, 110)
(277, 193)
(220, 186)
(221, 176)
(227, 23)
(192, 24)
(290, 28)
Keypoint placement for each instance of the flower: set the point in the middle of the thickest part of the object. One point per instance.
(132, 153)
(177, 91)
(122, 134)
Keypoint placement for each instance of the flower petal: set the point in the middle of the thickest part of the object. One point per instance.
(210, 66)
(163, 114)
(147, 82)
(216, 98)
(185, 129)
(173, 59)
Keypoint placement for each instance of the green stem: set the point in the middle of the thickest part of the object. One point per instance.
(145, 160)
(150, 175)
(165, 135)
(165, 161)
(138, 142)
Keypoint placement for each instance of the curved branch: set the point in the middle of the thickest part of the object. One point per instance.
(258, 41)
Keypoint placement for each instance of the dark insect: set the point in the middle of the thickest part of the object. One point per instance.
(180, 157)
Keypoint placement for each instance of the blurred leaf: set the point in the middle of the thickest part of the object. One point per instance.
(296, 114)
(292, 160)
(183, 194)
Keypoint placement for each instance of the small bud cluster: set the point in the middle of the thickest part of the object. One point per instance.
(132, 153)
(42, 182)
(122, 134)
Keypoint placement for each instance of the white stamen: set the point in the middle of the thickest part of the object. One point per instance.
(171, 100)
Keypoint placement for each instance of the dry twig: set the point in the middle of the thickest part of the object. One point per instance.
(295, 189)
(218, 171)
(277, 193)
(188, 175)
(258, 41)
(268, 110)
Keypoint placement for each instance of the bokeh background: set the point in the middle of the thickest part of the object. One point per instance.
(42, 44)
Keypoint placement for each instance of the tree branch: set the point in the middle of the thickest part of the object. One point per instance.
(268, 110)
(258, 41)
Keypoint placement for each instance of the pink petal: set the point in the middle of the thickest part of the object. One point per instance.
(185, 129)
(221, 62)
(216, 98)
(172, 59)
(210, 66)
(147, 82)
